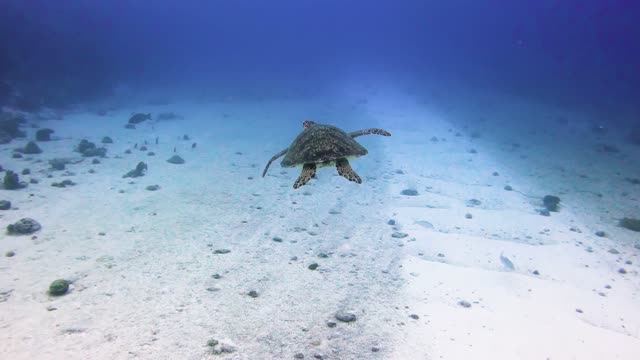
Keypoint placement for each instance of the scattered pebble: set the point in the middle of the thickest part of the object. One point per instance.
(153, 187)
(399, 235)
(30, 149)
(212, 342)
(391, 222)
(508, 188)
(176, 159)
(5, 204)
(551, 202)
(468, 216)
(622, 271)
(464, 303)
(23, 226)
(253, 294)
(222, 251)
(473, 202)
(613, 251)
(10, 253)
(277, 239)
(409, 192)
(313, 266)
(11, 181)
(601, 234)
(345, 316)
(414, 316)
(222, 349)
(89, 149)
(44, 134)
(58, 287)
(63, 183)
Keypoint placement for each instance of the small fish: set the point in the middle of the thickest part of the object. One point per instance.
(508, 265)
(425, 224)
(138, 118)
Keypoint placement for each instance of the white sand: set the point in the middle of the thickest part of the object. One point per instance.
(141, 290)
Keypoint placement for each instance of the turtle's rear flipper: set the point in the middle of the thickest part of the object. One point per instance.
(308, 171)
(344, 169)
(370, 131)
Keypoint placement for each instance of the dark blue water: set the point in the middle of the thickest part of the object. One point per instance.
(568, 52)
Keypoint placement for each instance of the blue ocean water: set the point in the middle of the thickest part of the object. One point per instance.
(498, 220)
(578, 53)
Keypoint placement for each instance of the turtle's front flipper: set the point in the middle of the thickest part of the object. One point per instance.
(308, 171)
(272, 160)
(370, 131)
(344, 169)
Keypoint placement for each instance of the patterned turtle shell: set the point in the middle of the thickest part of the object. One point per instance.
(321, 144)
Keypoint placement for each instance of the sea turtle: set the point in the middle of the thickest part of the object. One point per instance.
(323, 145)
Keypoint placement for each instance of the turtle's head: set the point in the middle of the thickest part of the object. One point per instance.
(308, 123)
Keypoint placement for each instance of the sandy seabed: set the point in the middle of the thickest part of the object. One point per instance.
(422, 274)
